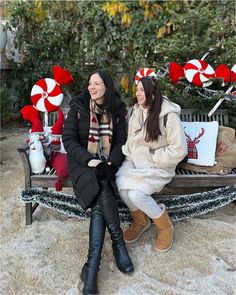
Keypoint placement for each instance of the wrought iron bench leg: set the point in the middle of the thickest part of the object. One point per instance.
(29, 210)
(28, 213)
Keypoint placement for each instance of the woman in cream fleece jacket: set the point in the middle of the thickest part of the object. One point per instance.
(155, 145)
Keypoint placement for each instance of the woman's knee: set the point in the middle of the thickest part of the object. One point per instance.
(135, 196)
(123, 194)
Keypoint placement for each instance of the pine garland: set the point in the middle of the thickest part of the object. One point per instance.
(179, 207)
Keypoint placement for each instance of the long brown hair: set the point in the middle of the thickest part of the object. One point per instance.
(154, 101)
(110, 93)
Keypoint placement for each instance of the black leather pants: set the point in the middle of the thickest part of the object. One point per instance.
(108, 205)
(104, 213)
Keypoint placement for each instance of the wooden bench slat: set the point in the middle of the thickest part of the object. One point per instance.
(179, 180)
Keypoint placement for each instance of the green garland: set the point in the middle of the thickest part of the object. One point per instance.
(179, 207)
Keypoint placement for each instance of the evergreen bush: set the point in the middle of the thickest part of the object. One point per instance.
(5, 103)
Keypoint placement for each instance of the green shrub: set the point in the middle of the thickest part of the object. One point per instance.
(5, 103)
(121, 36)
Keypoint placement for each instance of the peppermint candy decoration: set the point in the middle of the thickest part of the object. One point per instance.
(144, 72)
(46, 95)
(233, 74)
(199, 72)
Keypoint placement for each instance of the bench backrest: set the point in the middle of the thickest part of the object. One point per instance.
(52, 116)
(191, 115)
(187, 115)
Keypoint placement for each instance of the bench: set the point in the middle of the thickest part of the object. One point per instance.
(183, 182)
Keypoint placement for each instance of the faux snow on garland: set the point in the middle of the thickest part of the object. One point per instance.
(179, 207)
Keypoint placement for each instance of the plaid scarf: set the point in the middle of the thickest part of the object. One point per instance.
(100, 135)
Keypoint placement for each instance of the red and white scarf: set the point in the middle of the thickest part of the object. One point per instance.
(100, 135)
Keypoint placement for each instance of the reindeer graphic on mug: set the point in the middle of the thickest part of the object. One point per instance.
(192, 149)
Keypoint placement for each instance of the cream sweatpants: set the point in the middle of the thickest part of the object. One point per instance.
(135, 200)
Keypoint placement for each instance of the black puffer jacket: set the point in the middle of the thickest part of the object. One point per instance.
(75, 139)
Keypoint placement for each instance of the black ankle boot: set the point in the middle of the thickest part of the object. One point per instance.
(108, 205)
(123, 261)
(89, 279)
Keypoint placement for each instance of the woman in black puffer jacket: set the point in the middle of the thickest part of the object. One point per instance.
(94, 132)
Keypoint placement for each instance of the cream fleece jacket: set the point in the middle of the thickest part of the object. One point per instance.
(152, 162)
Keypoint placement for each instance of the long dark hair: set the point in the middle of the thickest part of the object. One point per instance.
(110, 93)
(154, 101)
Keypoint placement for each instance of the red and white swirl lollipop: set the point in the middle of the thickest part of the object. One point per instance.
(144, 72)
(46, 94)
(199, 72)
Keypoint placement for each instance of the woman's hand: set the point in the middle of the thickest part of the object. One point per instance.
(94, 163)
(112, 169)
(101, 171)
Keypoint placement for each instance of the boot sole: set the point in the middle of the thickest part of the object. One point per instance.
(129, 272)
(165, 250)
(135, 240)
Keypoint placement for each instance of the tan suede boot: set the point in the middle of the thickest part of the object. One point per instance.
(165, 229)
(140, 224)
